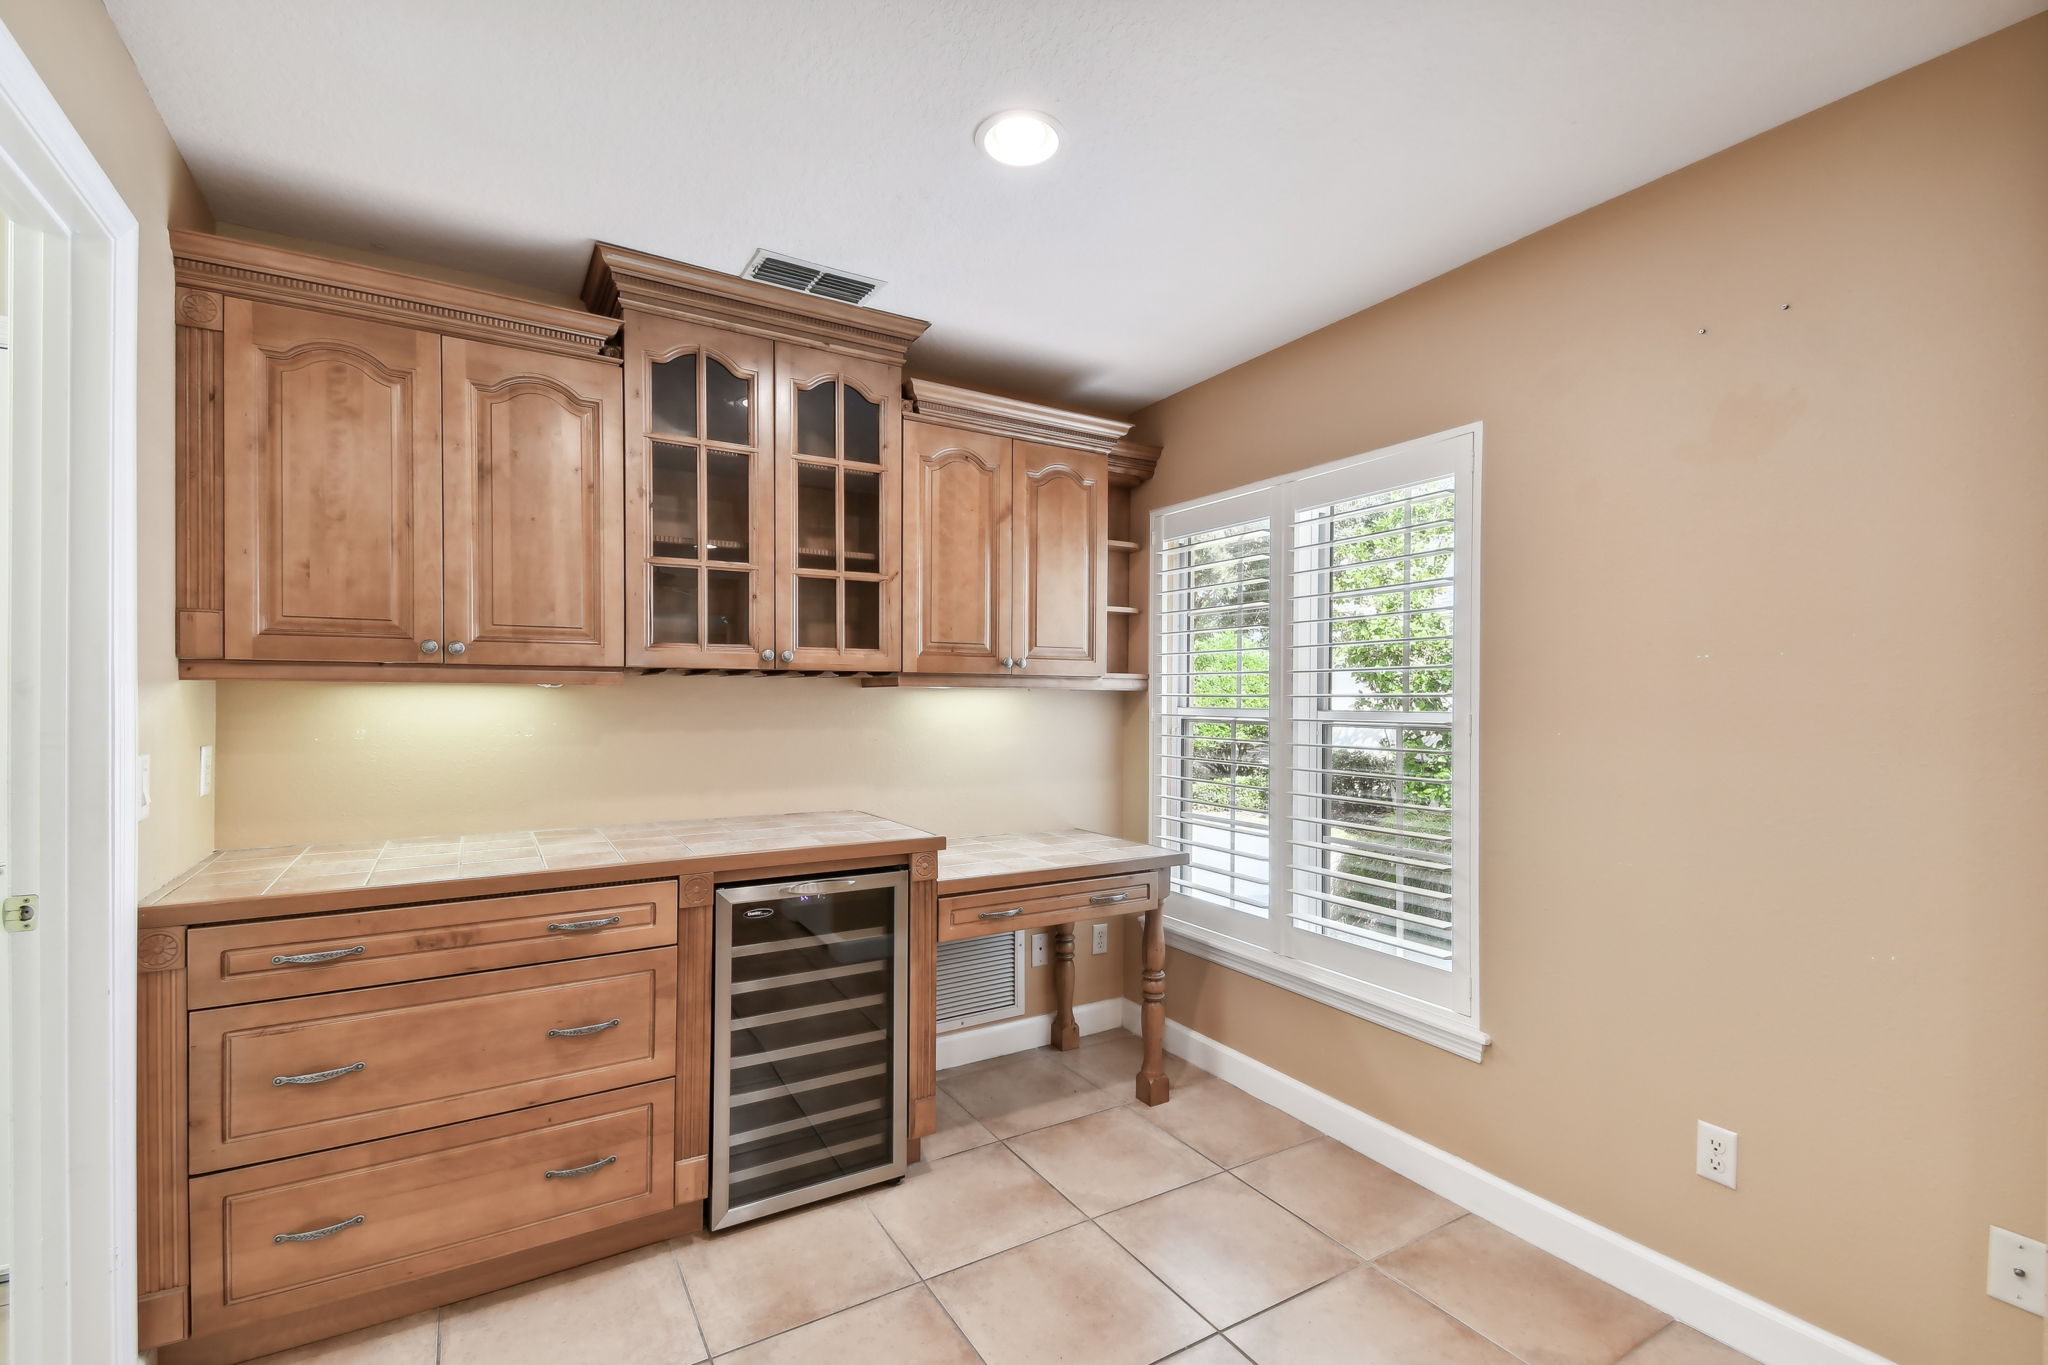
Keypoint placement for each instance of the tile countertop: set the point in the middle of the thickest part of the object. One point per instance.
(310, 869)
(987, 861)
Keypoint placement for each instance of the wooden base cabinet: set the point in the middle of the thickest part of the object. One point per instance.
(346, 1117)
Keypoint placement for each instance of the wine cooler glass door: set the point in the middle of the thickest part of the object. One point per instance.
(809, 1039)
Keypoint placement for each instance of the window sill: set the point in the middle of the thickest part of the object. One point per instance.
(1389, 1009)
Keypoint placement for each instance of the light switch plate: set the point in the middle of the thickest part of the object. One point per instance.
(2019, 1270)
(1038, 950)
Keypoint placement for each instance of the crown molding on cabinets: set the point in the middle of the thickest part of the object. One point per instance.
(621, 279)
(1015, 417)
(208, 266)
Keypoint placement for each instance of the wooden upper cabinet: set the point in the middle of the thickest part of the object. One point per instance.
(700, 496)
(1059, 563)
(837, 428)
(379, 470)
(331, 486)
(532, 508)
(1012, 562)
(957, 578)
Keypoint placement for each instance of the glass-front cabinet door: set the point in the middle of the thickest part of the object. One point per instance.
(836, 445)
(700, 506)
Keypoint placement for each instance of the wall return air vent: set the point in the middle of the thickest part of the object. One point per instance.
(808, 277)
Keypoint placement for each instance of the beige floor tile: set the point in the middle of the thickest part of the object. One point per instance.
(1113, 1058)
(1353, 1198)
(1226, 1248)
(1225, 1124)
(630, 1307)
(1681, 1345)
(1215, 1351)
(1107, 1160)
(957, 1131)
(408, 1341)
(1072, 1297)
(1023, 1091)
(1544, 1311)
(783, 1272)
(905, 1328)
(1363, 1318)
(969, 1206)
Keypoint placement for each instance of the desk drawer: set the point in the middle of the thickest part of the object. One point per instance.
(289, 1076)
(386, 1212)
(1034, 907)
(231, 964)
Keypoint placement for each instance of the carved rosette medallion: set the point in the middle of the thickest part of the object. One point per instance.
(157, 952)
(697, 890)
(198, 308)
(924, 866)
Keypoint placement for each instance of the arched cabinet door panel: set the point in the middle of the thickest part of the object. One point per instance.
(956, 536)
(837, 425)
(1059, 549)
(533, 508)
(700, 495)
(331, 487)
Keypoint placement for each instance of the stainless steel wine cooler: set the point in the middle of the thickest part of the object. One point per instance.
(811, 1006)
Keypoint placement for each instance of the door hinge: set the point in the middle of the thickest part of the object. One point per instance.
(18, 914)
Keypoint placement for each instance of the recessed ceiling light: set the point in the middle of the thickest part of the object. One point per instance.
(1019, 137)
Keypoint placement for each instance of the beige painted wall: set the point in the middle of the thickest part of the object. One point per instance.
(1763, 725)
(327, 761)
(80, 57)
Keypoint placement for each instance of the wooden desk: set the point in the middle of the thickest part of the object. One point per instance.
(1051, 880)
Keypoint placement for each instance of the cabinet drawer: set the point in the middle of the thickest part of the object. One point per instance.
(424, 1203)
(1034, 907)
(231, 964)
(290, 1076)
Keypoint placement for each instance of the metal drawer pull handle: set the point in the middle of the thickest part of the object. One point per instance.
(1012, 912)
(1108, 897)
(301, 958)
(572, 925)
(574, 1171)
(315, 1077)
(583, 1032)
(317, 1233)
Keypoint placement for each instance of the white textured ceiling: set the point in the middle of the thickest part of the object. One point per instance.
(1237, 172)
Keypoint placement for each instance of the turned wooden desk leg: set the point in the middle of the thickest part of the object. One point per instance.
(1066, 1034)
(1152, 1087)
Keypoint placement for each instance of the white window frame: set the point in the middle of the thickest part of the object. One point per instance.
(1437, 1006)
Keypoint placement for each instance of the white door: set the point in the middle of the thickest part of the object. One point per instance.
(67, 759)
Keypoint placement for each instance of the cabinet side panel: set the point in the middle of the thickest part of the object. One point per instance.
(200, 550)
(162, 1260)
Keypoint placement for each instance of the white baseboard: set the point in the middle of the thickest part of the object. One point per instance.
(1021, 1035)
(1721, 1311)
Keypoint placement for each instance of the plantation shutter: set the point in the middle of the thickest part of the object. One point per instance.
(1214, 670)
(1374, 662)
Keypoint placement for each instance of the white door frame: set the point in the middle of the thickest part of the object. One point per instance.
(70, 709)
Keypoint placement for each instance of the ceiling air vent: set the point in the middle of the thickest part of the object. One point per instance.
(807, 277)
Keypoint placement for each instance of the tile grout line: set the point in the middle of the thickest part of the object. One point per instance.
(689, 1299)
(922, 1282)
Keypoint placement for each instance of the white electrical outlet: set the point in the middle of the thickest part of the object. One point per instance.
(1715, 1157)
(206, 770)
(1100, 943)
(142, 786)
(2019, 1270)
(1038, 950)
